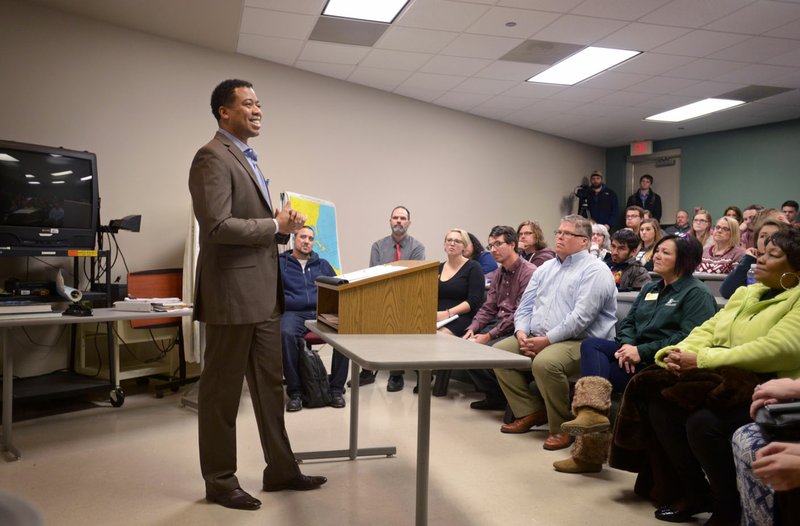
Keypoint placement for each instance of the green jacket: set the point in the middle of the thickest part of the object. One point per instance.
(760, 336)
(664, 315)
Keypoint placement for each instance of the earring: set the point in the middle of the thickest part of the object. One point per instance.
(794, 275)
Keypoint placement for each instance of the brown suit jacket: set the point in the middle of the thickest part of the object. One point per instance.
(238, 278)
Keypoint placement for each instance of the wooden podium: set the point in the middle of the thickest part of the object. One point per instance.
(402, 302)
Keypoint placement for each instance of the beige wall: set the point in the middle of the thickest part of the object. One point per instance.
(141, 104)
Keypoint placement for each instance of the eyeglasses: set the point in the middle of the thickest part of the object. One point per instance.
(495, 245)
(450, 241)
(632, 216)
(700, 220)
(567, 234)
(724, 228)
(524, 233)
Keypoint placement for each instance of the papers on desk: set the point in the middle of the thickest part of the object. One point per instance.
(24, 307)
(440, 324)
(151, 304)
(358, 275)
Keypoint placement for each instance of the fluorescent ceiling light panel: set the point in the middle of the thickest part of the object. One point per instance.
(6, 157)
(374, 10)
(61, 174)
(584, 64)
(30, 176)
(694, 110)
(57, 182)
(33, 182)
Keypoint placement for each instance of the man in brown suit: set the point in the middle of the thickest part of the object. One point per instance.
(239, 297)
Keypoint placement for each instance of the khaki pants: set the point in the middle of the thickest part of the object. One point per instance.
(552, 368)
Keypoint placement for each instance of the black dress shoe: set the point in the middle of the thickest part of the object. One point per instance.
(237, 499)
(295, 403)
(395, 384)
(365, 377)
(299, 483)
(489, 405)
(337, 400)
(679, 514)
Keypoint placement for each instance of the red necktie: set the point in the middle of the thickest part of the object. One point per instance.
(397, 251)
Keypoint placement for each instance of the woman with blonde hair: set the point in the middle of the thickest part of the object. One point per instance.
(723, 254)
(701, 227)
(461, 284)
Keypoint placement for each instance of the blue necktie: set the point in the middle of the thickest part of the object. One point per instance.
(263, 184)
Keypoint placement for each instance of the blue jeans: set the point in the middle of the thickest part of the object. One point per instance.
(597, 359)
(292, 344)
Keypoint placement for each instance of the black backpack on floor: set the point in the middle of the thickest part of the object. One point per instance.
(314, 379)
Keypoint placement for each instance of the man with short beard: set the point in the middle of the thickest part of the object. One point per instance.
(603, 203)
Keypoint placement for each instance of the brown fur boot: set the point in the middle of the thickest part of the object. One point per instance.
(589, 453)
(590, 404)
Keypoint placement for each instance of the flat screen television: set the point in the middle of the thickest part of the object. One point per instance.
(48, 197)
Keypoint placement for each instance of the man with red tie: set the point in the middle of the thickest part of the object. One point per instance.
(395, 247)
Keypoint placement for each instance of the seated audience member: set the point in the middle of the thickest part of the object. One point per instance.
(701, 227)
(461, 284)
(724, 253)
(634, 215)
(692, 415)
(474, 250)
(789, 209)
(300, 266)
(746, 226)
(628, 273)
(734, 212)
(568, 299)
(650, 234)
(646, 198)
(601, 243)
(768, 474)
(681, 225)
(664, 313)
(495, 319)
(532, 245)
(738, 278)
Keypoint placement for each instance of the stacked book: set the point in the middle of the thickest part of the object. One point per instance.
(15, 310)
(151, 304)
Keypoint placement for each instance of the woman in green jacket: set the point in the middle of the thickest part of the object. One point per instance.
(759, 331)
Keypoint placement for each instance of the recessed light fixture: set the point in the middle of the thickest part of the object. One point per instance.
(61, 174)
(694, 110)
(584, 64)
(30, 176)
(372, 10)
(33, 182)
(56, 182)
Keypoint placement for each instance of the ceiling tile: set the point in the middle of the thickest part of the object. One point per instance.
(661, 85)
(281, 50)
(383, 79)
(339, 71)
(580, 94)
(652, 64)
(790, 98)
(691, 13)
(461, 101)
(641, 37)
(708, 89)
(442, 15)
(499, 106)
(533, 91)
(619, 9)
(527, 22)
(704, 69)
(455, 65)
(431, 81)
(757, 49)
(667, 102)
(505, 70)
(422, 94)
(333, 53)
(487, 86)
(755, 74)
(700, 43)
(787, 59)
(556, 6)
(413, 39)
(276, 24)
(308, 7)
(790, 30)
(479, 46)
(758, 18)
(389, 59)
(624, 98)
(578, 29)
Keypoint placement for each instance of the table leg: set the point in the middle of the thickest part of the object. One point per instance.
(8, 396)
(423, 445)
(355, 372)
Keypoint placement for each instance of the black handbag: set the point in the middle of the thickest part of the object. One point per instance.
(780, 421)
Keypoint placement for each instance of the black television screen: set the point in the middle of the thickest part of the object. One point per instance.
(48, 197)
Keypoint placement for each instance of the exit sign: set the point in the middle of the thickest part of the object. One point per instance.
(642, 148)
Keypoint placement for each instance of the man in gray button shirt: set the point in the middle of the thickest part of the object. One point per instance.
(395, 247)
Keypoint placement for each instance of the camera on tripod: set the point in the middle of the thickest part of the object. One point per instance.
(583, 193)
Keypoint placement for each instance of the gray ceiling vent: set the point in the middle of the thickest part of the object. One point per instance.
(347, 31)
(541, 52)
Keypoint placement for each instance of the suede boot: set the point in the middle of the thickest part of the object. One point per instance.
(589, 453)
(590, 404)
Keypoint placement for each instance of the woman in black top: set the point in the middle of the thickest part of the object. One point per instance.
(461, 284)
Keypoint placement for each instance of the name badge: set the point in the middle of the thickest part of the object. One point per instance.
(652, 296)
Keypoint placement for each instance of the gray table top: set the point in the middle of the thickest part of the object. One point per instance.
(417, 351)
(98, 316)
